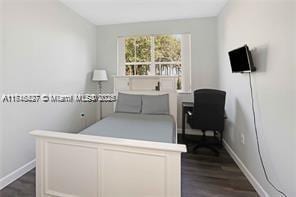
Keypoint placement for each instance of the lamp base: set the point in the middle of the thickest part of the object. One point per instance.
(100, 92)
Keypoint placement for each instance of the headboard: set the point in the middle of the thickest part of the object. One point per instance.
(172, 98)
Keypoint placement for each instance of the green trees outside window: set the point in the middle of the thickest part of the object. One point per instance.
(154, 55)
(168, 48)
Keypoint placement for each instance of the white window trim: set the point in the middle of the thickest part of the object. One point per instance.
(185, 60)
(120, 56)
(152, 68)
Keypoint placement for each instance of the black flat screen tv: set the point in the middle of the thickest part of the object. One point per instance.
(241, 60)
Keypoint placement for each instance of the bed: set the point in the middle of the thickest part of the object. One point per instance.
(147, 127)
(123, 155)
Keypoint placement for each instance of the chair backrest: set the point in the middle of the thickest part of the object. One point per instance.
(208, 112)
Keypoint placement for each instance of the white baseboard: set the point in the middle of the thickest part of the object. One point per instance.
(17, 174)
(260, 190)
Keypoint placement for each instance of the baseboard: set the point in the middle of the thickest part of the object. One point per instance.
(17, 174)
(260, 190)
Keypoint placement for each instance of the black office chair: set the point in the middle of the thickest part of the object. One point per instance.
(208, 115)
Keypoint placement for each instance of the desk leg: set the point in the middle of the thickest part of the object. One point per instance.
(221, 138)
(183, 124)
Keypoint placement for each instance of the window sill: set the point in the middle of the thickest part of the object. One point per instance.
(184, 92)
(144, 76)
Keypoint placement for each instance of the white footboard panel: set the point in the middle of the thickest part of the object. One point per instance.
(77, 165)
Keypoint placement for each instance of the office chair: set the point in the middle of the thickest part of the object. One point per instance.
(208, 115)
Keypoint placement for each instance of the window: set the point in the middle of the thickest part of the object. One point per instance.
(138, 55)
(166, 55)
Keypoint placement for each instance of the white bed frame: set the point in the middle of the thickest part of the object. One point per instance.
(76, 165)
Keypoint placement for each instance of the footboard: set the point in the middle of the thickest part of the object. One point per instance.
(92, 166)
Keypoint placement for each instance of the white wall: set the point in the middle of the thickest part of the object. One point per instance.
(1, 83)
(48, 49)
(267, 27)
(203, 41)
(294, 33)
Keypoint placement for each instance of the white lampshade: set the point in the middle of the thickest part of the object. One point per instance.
(100, 75)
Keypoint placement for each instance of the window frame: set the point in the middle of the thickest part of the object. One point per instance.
(185, 59)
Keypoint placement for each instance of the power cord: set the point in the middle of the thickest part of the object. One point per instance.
(258, 144)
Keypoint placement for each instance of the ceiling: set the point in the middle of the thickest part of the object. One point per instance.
(104, 12)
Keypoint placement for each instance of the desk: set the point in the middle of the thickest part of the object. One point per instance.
(186, 106)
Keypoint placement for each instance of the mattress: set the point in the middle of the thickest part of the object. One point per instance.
(156, 128)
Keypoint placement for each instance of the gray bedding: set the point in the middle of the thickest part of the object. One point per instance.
(157, 128)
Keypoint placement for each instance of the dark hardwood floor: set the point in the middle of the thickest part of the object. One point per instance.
(207, 175)
(203, 175)
(23, 187)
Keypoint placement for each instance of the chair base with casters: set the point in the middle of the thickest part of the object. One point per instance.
(204, 143)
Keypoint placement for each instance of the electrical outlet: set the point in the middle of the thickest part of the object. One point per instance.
(83, 120)
(242, 138)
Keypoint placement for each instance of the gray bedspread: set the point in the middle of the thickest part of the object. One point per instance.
(157, 128)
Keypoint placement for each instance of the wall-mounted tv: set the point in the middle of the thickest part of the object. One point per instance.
(241, 60)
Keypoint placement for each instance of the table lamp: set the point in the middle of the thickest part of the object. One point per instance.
(100, 76)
